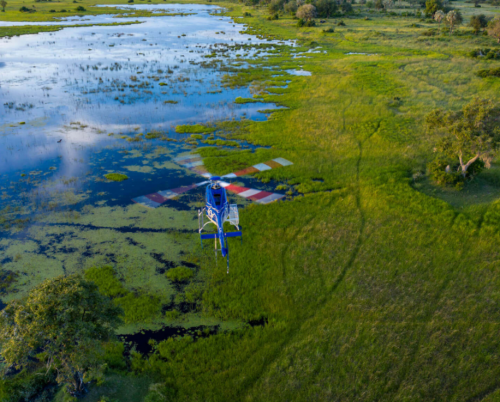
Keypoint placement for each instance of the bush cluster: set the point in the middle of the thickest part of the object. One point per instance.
(437, 171)
(306, 23)
(323, 8)
(488, 54)
(492, 72)
(137, 307)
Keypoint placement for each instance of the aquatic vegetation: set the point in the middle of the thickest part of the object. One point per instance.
(195, 128)
(152, 135)
(116, 176)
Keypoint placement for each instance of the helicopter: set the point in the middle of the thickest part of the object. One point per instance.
(218, 211)
(217, 208)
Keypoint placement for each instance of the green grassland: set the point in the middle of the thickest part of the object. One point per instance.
(375, 284)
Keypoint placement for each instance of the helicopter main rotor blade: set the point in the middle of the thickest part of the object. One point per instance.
(272, 164)
(154, 200)
(194, 163)
(259, 196)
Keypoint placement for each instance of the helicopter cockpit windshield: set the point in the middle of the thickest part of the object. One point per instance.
(217, 199)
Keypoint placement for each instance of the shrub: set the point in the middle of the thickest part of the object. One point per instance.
(247, 14)
(80, 8)
(329, 30)
(492, 72)
(341, 23)
(179, 274)
(25, 9)
(113, 355)
(52, 11)
(160, 393)
(437, 171)
(106, 280)
(172, 315)
(25, 386)
(273, 17)
(141, 308)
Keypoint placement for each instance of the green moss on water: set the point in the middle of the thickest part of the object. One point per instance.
(220, 142)
(195, 128)
(179, 274)
(116, 176)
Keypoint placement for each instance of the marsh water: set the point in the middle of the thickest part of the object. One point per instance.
(77, 104)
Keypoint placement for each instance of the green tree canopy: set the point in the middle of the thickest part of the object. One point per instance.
(62, 322)
(326, 8)
(477, 22)
(470, 133)
(431, 6)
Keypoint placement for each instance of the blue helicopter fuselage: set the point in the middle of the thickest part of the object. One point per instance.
(217, 206)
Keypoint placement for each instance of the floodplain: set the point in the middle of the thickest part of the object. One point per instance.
(368, 282)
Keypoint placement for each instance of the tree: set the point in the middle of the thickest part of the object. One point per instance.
(472, 133)
(326, 8)
(3, 3)
(477, 22)
(494, 29)
(454, 18)
(439, 16)
(62, 323)
(291, 7)
(379, 5)
(275, 6)
(306, 12)
(431, 6)
(346, 7)
(388, 4)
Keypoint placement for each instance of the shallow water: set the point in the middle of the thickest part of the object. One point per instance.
(70, 101)
(302, 73)
(79, 85)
